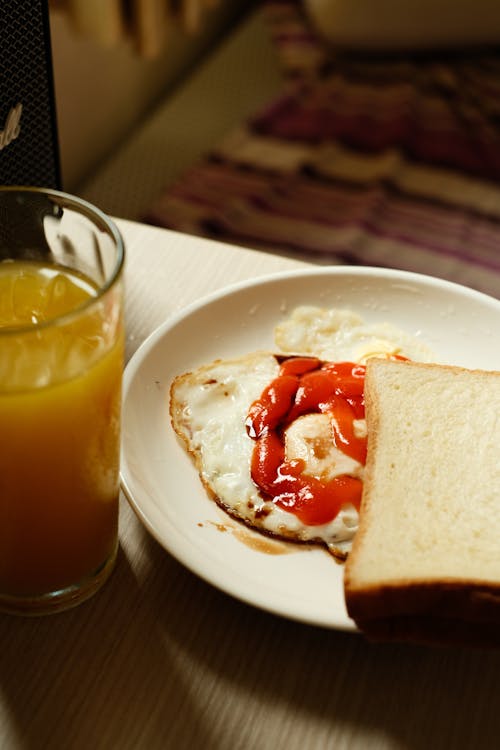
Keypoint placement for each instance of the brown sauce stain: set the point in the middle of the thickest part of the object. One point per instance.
(253, 540)
(269, 546)
(261, 544)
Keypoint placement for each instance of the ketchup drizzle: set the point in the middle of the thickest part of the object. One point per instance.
(307, 385)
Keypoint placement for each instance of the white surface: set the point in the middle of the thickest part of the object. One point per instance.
(162, 484)
(158, 659)
(238, 78)
(104, 87)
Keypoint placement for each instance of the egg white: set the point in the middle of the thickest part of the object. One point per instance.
(340, 335)
(209, 407)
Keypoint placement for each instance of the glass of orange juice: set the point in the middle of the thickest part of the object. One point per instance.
(61, 362)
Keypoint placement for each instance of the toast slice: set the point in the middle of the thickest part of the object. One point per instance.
(425, 563)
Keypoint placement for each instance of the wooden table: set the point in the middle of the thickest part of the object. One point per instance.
(160, 659)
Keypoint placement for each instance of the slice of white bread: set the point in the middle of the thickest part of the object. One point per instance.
(425, 563)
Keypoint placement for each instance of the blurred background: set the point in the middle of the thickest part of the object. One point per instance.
(112, 80)
(341, 131)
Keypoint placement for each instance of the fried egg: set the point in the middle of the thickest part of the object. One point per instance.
(209, 408)
(342, 335)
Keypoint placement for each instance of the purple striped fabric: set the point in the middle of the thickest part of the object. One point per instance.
(385, 161)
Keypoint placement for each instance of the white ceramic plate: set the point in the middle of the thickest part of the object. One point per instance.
(460, 326)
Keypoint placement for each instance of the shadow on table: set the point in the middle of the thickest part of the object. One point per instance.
(159, 659)
(97, 676)
(412, 696)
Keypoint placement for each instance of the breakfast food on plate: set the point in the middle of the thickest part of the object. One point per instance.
(264, 465)
(279, 440)
(337, 335)
(425, 563)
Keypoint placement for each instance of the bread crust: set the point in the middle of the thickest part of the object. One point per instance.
(432, 631)
(475, 601)
(442, 610)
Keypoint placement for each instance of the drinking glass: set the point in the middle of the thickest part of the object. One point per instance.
(61, 363)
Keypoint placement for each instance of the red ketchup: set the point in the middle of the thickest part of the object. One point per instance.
(306, 385)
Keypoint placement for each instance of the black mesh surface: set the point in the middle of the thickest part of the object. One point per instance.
(26, 82)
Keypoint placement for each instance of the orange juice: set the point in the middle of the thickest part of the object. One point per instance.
(61, 359)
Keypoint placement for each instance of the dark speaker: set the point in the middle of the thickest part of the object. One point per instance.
(29, 149)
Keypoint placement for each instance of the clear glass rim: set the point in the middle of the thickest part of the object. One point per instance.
(101, 221)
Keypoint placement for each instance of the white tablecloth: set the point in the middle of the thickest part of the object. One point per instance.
(160, 659)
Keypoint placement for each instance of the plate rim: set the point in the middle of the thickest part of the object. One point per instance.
(266, 278)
